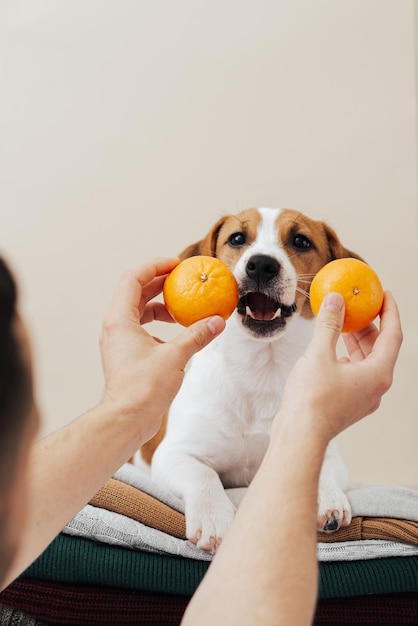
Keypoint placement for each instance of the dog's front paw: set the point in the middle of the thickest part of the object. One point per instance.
(208, 520)
(334, 511)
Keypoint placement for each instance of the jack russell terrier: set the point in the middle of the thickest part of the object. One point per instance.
(218, 426)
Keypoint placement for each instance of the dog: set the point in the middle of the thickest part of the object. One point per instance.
(218, 425)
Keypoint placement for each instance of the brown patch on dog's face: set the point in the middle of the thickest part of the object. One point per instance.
(237, 233)
(310, 245)
(228, 238)
(296, 245)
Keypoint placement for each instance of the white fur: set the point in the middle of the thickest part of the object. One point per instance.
(219, 423)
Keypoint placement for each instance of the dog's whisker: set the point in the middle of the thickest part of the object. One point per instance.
(302, 291)
(246, 399)
(206, 251)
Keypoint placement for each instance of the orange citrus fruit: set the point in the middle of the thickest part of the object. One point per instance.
(198, 287)
(359, 285)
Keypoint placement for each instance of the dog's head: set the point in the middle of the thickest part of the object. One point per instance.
(274, 255)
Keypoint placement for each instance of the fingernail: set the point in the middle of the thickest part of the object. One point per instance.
(216, 324)
(334, 302)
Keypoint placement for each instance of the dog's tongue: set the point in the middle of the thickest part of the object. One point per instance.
(262, 307)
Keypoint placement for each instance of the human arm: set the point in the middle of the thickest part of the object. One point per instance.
(265, 571)
(142, 376)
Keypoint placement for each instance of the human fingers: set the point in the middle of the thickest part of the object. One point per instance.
(151, 278)
(328, 323)
(380, 349)
(126, 301)
(156, 311)
(389, 341)
(124, 305)
(153, 288)
(360, 344)
(156, 267)
(197, 336)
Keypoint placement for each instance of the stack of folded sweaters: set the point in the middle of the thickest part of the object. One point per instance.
(124, 559)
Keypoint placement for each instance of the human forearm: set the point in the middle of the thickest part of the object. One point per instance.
(265, 571)
(67, 468)
(142, 375)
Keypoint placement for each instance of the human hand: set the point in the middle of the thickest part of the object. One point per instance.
(330, 394)
(142, 373)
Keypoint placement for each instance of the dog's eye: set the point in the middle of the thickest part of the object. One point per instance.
(237, 240)
(301, 242)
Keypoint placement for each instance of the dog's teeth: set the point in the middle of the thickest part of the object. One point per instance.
(277, 314)
(249, 312)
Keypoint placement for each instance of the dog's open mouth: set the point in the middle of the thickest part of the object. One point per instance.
(263, 315)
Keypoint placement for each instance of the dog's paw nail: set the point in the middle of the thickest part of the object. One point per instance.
(331, 524)
(196, 537)
(329, 521)
(346, 518)
(209, 546)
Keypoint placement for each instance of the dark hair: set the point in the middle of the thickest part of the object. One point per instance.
(15, 376)
(15, 404)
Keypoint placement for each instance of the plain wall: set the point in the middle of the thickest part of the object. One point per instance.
(129, 127)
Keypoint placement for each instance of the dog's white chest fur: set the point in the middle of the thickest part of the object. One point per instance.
(219, 424)
(231, 392)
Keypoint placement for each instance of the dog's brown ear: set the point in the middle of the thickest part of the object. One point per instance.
(192, 250)
(207, 245)
(336, 248)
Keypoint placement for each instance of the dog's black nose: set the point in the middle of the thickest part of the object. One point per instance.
(262, 268)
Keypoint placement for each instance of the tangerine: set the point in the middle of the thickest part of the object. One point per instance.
(198, 287)
(359, 285)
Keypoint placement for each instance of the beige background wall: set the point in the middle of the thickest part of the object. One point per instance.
(129, 127)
